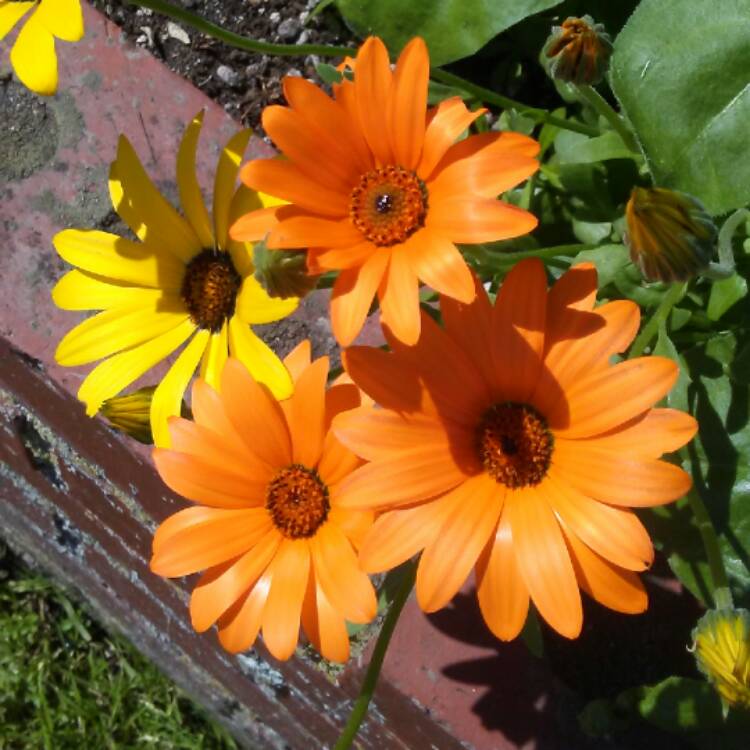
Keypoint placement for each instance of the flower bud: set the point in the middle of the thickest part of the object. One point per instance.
(670, 234)
(283, 273)
(130, 413)
(721, 643)
(578, 51)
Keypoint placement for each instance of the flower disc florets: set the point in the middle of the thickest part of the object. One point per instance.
(298, 501)
(210, 288)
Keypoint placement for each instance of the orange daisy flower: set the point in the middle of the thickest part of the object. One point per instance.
(267, 529)
(380, 190)
(508, 443)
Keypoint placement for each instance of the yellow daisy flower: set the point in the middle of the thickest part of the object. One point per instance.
(33, 55)
(186, 281)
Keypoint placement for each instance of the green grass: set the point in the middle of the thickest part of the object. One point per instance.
(65, 683)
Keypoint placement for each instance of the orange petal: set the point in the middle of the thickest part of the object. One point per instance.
(409, 103)
(543, 560)
(309, 148)
(307, 425)
(373, 83)
(312, 231)
(256, 415)
(338, 461)
(417, 474)
(399, 298)
(340, 257)
(437, 262)
(209, 412)
(354, 523)
(218, 538)
(299, 359)
(347, 588)
(324, 627)
(447, 561)
(399, 534)
(503, 596)
(472, 220)
(388, 380)
(614, 533)
(281, 615)
(450, 120)
(615, 480)
(240, 625)
(178, 522)
(491, 143)
(254, 226)
(323, 114)
(454, 384)
(518, 330)
(611, 586)
(283, 180)
(608, 398)
(219, 588)
(352, 296)
(205, 483)
(470, 327)
(379, 433)
(649, 435)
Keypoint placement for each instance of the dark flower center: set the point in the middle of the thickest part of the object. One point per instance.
(210, 288)
(298, 501)
(388, 205)
(514, 444)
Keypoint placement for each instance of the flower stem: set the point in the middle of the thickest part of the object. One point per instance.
(503, 258)
(376, 662)
(669, 300)
(237, 40)
(600, 105)
(492, 97)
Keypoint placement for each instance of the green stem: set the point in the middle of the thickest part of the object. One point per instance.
(669, 300)
(543, 253)
(492, 97)
(376, 662)
(600, 105)
(237, 40)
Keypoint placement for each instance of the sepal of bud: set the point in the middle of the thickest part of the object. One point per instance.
(130, 413)
(283, 273)
(578, 51)
(670, 235)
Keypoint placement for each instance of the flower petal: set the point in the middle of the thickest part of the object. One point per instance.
(255, 307)
(307, 424)
(324, 627)
(11, 14)
(447, 561)
(503, 596)
(214, 357)
(337, 258)
(373, 85)
(281, 615)
(300, 231)
(33, 57)
(543, 560)
(240, 624)
(225, 184)
(439, 264)
(63, 18)
(399, 298)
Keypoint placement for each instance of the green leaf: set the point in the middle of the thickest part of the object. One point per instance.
(724, 294)
(328, 73)
(608, 259)
(680, 72)
(575, 148)
(532, 634)
(452, 28)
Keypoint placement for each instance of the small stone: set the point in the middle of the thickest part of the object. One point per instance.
(177, 32)
(294, 73)
(289, 28)
(147, 37)
(274, 17)
(227, 75)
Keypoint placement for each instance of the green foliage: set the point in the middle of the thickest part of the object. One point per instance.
(680, 72)
(452, 28)
(65, 684)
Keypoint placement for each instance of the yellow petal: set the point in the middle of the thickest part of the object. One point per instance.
(214, 358)
(190, 193)
(109, 377)
(78, 290)
(117, 329)
(259, 359)
(224, 185)
(167, 401)
(255, 306)
(143, 208)
(33, 57)
(119, 259)
(11, 14)
(63, 18)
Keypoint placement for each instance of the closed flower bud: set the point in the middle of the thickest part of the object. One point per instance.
(578, 51)
(130, 413)
(721, 643)
(283, 273)
(670, 234)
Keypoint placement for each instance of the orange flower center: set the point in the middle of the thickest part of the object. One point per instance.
(210, 288)
(297, 501)
(514, 444)
(388, 205)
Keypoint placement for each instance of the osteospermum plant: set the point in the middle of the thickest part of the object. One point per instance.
(562, 391)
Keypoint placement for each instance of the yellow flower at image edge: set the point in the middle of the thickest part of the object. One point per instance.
(722, 650)
(185, 281)
(33, 55)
